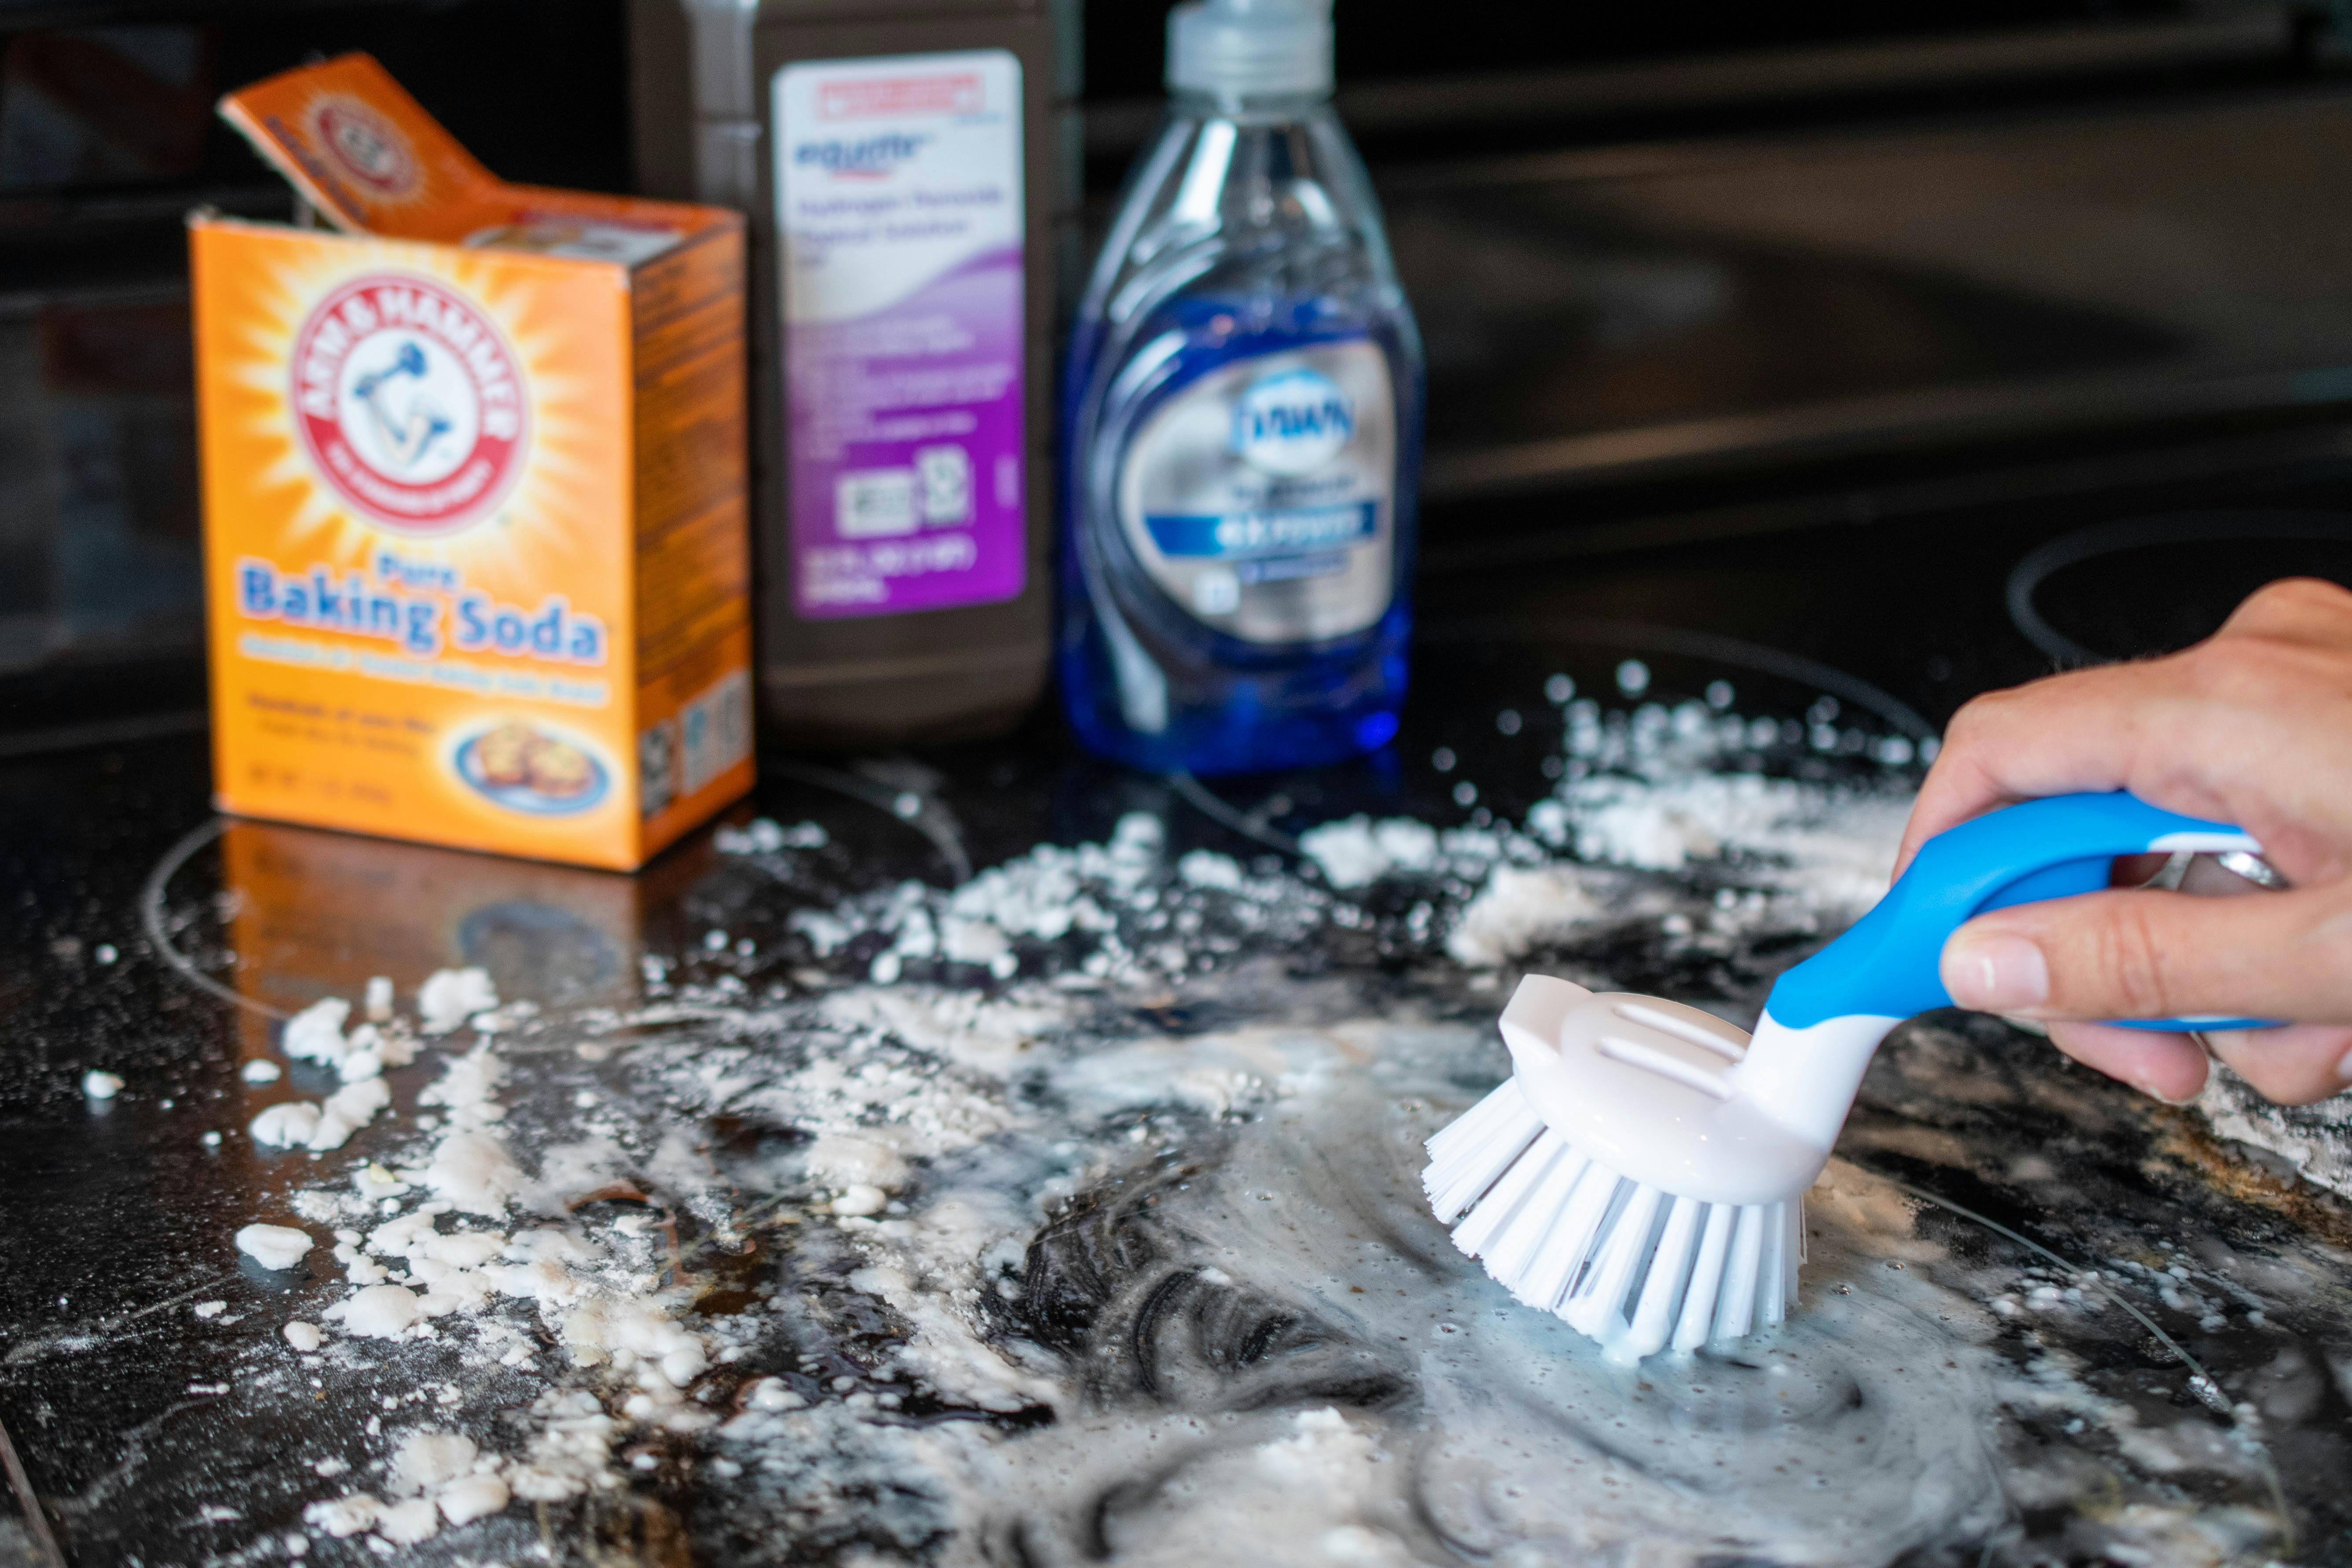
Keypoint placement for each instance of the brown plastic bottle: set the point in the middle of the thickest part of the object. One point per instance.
(904, 317)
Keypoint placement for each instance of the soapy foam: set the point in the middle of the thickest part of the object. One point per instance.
(1039, 1277)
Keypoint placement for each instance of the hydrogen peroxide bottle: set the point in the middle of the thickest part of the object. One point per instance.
(1241, 425)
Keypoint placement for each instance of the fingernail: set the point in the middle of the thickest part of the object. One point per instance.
(2153, 1093)
(2344, 1069)
(1995, 972)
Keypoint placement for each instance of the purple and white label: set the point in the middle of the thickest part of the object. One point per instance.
(899, 194)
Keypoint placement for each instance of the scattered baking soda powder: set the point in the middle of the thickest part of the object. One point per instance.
(1079, 1204)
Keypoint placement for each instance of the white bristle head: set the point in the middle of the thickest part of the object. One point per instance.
(1632, 1267)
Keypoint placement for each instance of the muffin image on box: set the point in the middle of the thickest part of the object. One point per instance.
(558, 767)
(502, 757)
(521, 766)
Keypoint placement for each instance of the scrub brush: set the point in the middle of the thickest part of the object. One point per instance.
(1643, 1171)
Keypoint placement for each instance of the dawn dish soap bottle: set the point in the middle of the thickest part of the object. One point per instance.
(1241, 425)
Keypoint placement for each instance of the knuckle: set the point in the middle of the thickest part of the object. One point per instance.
(2292, 600)
(2237, 672)
(1971, 716)
(2127, 962)
(1981, 717)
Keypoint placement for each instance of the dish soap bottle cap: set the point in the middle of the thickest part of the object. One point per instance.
(1232, 48)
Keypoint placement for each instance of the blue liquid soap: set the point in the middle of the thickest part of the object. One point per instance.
(1241, 426)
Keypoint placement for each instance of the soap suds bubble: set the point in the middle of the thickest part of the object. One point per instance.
(101, 1086)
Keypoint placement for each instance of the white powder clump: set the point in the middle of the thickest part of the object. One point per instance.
(470, 1166)
(450, 996)
(304, 1337)
(260, 1069)
(1519, 910)
(468, 1088)
(765, 835)
(1831, 846)
(100, 1084)
(406, 1523)
(572, 1450)
(427, 1459)
(285, 1126)
(379, 1311)
(1355, 851)
(275, 1246)
(316, 1033)
(772, 1393)
(345, 1516)
(471, 1498)
(374, 1183)
(365, 1057)
(1043, 893)
(347, 1111)
(846, 1160)
(474, 1170)
(975, 941)
(1207, 868)
(859, 1201)
(376, 1002)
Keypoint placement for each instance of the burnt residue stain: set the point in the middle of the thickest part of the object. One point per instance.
(2183, 1140)
(1122, 1297)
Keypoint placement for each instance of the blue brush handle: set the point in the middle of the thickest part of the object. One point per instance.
(1886, 964)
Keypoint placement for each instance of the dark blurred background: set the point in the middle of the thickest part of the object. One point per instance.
(1688, 273)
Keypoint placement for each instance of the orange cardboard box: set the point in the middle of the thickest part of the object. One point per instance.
(475, 537)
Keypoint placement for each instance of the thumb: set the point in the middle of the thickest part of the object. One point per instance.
(2143, 953)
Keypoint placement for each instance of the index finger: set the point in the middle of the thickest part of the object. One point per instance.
(2086, 729)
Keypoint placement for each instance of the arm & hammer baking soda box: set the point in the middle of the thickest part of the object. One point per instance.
(476, 542)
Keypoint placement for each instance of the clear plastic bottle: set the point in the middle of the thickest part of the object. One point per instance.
(1241, 425)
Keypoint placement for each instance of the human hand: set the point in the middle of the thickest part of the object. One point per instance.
(2252, 726)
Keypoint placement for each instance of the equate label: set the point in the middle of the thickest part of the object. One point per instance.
(475, 512)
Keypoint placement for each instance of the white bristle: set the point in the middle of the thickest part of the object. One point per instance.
(1570, 1242)
(1737, 1313)
(1635, 1268)
(1510, 1250)
(1491, 1214)
(1466, 1157)
(1698, 1318)
(1662, 1291)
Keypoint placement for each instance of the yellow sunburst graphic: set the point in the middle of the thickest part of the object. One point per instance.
(569, 475)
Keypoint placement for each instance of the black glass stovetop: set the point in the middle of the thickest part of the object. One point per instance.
(1161, 1286)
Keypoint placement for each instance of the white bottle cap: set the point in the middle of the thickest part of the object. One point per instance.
(1250, 48)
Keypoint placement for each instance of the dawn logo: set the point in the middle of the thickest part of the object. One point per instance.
(409, 402)
(1292, 422)
(868, 158)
